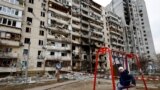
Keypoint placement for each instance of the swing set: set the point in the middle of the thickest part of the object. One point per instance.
(106, 50)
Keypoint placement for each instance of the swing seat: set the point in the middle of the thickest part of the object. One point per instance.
(127, 87)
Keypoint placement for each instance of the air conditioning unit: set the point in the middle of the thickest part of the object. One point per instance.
(29, 23)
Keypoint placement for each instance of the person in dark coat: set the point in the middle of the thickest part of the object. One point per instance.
(125, 79)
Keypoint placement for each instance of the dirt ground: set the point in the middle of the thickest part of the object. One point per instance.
(25, 86)
(101, 85)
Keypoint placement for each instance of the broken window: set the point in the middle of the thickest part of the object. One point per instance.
(4, 20)
(27, 40)
(28, 30)
(0, 20)
(43, 14)
(39, 52)
(31, 1)
(0, 8)
(51, 53)
(30, 10)
(41, 33)
(16, 12)
(63, 54)
(39, 64)
(9, 22)
(64, 45)
(40, 42)
(29, 20)
(14, 23)
(25, 51)
(41, 23)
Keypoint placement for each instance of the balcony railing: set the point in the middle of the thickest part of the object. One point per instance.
(9, 42)
(8, 55)
(50, 47)
(75, 41)
(65, 58)
(76, 26)
(76, 33)
(51, 37)
(8, 69)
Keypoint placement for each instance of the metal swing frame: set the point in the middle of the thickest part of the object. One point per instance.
(106, 50)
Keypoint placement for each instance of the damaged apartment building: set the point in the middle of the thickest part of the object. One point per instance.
(10, 34)
(47, 32)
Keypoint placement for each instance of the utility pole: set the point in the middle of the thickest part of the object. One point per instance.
(27, 63)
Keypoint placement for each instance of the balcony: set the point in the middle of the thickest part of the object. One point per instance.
(8, 55)
(66, 69)
(49, 57)
(97, 39)
(85, 14)
(85, 43)
(76, 34)
(99, 9)
(50, 69)
(58, 29)
(116, 22)
(85, 28)
(18, 5)
(76, 26)
(76, 19)
(95, 25)
(119, 44)
(85, 35)
(75, 42)
(85, 22)
(9, 42)
(61, 58)
(60, 20)
(84, 8)
(115, 32)
(7, 69)
(60, 39)
(114, 43)
(114, 37)
(98, 45)
(51, 47)
(61, 13)
(67, 58)
(11, 30)
(97, 32)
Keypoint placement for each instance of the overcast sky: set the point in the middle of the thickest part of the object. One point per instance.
(153, 7)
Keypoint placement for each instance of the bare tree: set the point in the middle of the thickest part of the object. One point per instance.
(144, 63)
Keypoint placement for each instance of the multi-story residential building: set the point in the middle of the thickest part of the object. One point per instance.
(115, 28)
(10, 34)
(87, 21)
(61, 31)
(138, 38)
(68, 32)
(148, 44)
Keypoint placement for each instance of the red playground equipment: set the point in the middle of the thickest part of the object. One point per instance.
(106, 50)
